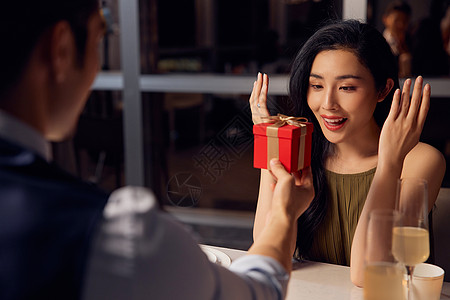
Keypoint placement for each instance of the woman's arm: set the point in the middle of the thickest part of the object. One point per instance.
(258, 105)
(264, 203)
(425, 161)
(400, 155)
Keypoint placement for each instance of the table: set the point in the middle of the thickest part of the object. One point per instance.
(317, 281)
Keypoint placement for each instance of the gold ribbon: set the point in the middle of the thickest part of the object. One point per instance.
(272, 131)
(281, 120)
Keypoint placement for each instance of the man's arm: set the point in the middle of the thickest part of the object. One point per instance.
(151, 256)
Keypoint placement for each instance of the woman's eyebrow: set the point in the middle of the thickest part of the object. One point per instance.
(315, 76)
(340, 77)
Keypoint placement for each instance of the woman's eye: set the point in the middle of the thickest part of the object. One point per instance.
(347, 88)
(316, 86)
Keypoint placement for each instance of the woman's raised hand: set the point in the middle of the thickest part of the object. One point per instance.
(258, 98)
(404, 124)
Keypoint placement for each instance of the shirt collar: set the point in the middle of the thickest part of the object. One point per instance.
(14, 130)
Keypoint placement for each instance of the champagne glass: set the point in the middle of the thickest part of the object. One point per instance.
(410, 244)
(383, 275)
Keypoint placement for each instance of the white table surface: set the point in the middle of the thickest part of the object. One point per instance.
(320, 281)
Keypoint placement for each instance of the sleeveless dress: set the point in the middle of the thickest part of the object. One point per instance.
(347, 194)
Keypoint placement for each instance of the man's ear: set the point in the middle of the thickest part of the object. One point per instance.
(62, 50)
(389, 85)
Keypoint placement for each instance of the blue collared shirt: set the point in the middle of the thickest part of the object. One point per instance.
(143, 253)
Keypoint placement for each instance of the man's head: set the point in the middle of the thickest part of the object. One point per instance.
(50, 48)
(22, 23)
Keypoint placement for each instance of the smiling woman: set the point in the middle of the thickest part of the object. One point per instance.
(343, 79)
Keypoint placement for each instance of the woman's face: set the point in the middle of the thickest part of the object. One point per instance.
(342, 96)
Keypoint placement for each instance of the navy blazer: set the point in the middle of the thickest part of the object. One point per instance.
(47, 221)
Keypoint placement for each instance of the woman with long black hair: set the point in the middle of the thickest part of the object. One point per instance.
(344, 79)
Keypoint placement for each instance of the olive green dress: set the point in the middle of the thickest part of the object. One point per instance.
(347, 194)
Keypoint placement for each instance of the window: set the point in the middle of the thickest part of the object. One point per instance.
(187, 133)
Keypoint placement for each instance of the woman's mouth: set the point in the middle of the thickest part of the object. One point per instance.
(333, 123)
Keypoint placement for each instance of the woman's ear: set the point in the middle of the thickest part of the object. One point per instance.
(389, 85)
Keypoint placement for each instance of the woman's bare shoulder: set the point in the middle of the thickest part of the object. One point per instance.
(424, 161)
(423, 152)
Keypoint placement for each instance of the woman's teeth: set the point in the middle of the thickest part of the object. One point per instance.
(335, 121)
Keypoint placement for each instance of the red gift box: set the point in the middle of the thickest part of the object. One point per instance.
(291, 144)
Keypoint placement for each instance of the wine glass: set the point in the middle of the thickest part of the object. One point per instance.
(410, 244)
(383, 275)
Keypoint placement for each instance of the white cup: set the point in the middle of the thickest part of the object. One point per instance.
(427, 282)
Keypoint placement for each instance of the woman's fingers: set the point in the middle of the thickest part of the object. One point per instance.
(263, 89)
(424, 106)
(258, 87)
(405, 121)
(415, 107)
(254, 98)
(252, 95)
(395, 106)
(258, 98)
(405, 97)
(262, 100)
(416, 99)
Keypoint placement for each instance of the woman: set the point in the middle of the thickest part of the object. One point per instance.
(342, 80)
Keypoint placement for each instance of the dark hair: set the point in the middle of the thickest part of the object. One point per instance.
(400, 6)
(23, 23)
(374, 53)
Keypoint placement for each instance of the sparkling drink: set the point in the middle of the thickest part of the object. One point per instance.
(383, 281)
(410, 245)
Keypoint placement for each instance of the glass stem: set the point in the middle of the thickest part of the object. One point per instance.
(409, 273)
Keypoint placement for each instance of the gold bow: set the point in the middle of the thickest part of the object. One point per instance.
(281, 120)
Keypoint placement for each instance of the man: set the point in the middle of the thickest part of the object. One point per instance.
(49, 61)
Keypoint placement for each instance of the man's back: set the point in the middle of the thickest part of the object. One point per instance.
(47, 221)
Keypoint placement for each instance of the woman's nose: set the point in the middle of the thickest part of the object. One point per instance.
(329, 101)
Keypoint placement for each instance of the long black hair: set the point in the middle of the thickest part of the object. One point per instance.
(373, 52)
